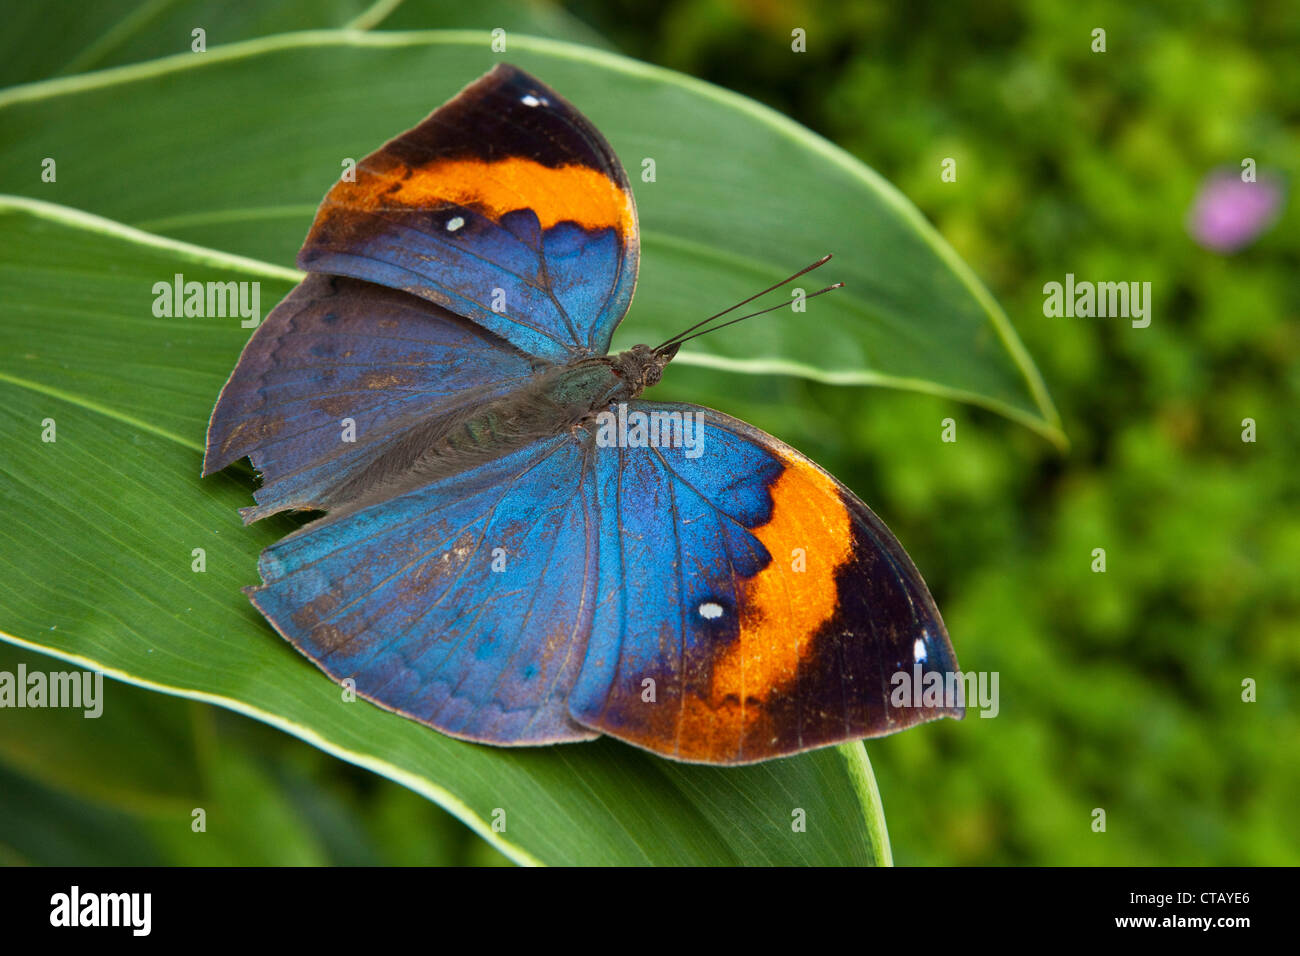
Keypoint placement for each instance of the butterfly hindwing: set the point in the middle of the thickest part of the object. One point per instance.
(506, 206)
(751, 606)
(465, 604)
(340, 371)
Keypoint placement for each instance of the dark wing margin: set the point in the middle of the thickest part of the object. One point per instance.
(506, 205)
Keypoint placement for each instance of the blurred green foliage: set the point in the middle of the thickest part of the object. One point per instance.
(1119, 690)
(123, 788)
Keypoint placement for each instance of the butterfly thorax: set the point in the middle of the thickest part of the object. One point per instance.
(558, 399)
(485, 427)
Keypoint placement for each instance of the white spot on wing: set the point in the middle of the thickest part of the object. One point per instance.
(709, 610)
(918, 651)
(454, 224)
(531, 100)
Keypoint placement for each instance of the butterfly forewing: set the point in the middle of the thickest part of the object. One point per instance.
(506, 206)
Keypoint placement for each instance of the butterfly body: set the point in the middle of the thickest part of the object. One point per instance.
(490, 564)
(557, 399)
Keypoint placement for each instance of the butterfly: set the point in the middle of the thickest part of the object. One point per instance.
(501, 558)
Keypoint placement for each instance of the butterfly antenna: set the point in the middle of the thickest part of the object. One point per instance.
(678, 340)
(680, 336)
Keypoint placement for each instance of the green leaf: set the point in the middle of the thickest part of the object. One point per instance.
(95, 568)
(234, 148)
(64, 37)
(140, 763)
(136, 756)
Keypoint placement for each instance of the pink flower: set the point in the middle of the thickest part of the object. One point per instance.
(1229, 214)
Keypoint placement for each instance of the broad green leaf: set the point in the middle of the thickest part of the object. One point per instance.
(155, 758)
(136, 756)
(65, 37)
(96, 568)
(539, 18)
(141, 757)
(234, 149)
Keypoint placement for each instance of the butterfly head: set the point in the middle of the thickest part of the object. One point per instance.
(641, 366)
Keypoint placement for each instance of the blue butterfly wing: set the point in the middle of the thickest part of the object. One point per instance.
(465, 604)
(338, 349)
(750, 605)
(506, 206)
